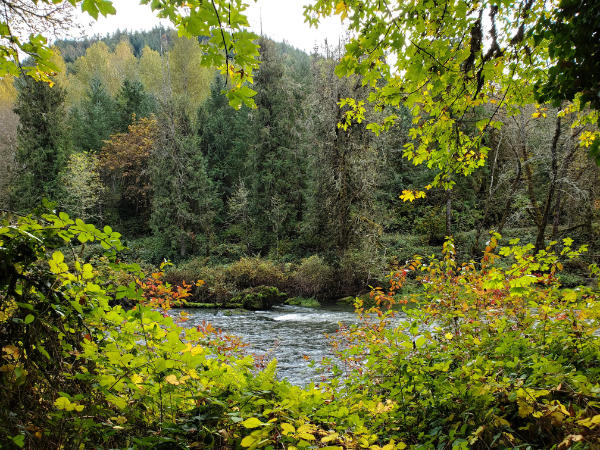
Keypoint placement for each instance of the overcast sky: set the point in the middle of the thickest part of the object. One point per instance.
(281, 20)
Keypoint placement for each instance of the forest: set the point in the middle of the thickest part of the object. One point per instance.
(437, 169)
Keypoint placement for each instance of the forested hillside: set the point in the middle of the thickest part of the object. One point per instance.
(136, 133)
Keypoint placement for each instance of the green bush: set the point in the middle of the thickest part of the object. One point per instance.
(431, 223)
(251, 272)
(260, 298)
(217, 287)
(496, 356)
(302, 301)
(313, 277)
(358, 269)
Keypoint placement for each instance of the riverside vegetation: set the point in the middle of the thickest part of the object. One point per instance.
(497, 354)
(269, 175)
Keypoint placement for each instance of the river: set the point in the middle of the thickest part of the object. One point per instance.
(286, 333)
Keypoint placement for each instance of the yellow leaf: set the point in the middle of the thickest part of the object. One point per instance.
(172, 379)
(12, 351)
(524, 408)
(197, 350)
(306, 428)
(287, 428)
(407, 196)
(252, 422)
(63, 403)
(342, 9)
(306, 436)
(330, 437)
(249, 441)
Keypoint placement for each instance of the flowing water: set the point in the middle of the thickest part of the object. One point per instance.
(286, 333)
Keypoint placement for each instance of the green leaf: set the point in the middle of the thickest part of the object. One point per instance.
(252, 422)
(19, 440)
(63, 403)
(29, 318)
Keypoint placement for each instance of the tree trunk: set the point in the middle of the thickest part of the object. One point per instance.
(448, 212)
(545, 216)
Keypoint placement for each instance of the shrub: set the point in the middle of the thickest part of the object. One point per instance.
(252, 272)
(260, 298)
(497, 356)
(431, 224)
(358, 269)
(217, 287)
(313, 277)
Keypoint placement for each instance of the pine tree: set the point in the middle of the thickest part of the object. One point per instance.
(94, 120)
(184, 202)
(41, 147)
(276, 159)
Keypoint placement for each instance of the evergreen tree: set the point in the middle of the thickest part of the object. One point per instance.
(223, 137)
(41, 149)
(132, 99)
(276, 160)
(94, 120)
(184, 202)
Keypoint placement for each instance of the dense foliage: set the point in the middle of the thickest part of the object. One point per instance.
(297, 192)
(497, 355)
(284, 181)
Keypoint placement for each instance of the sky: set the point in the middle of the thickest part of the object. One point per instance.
(282, 20)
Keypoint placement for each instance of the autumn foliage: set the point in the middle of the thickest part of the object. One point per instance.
(124, 160)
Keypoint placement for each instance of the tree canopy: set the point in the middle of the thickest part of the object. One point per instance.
(444, 60)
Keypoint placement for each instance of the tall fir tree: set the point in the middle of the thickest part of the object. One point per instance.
(184, 202)
(275, 159)
(132, 99)
(94, 120)
(41, 144)
(223, 138)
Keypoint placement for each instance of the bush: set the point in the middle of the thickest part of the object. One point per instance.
(260, 298)
(313, 277)
(302, 301)
(358, 269)
(497, 356)
(252, 272)
(217, 287)
(432, 223)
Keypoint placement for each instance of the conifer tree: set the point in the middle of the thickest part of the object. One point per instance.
(41, 147)
(276, 159)
(223, 137)
(94, 120)
(184, 202)
(132, 99)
